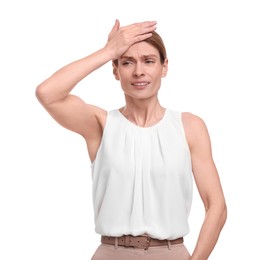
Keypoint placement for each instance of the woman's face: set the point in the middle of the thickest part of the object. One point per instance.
(140, 71)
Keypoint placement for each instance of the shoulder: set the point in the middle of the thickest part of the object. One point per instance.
(191, 120)
(195, 128)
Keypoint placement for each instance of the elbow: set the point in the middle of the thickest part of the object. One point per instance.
(39, 93)
(42, 94)
(223, 214)
(219, 211)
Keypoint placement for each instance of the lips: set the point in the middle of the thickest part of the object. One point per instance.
(140, 85)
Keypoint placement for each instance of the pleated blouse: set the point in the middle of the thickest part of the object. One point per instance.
(142, 178)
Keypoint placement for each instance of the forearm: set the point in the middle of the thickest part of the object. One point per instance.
(61, 83)
(210, 231)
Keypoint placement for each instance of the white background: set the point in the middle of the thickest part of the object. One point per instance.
(215, 71)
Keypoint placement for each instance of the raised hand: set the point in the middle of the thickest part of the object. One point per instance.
(121, 38)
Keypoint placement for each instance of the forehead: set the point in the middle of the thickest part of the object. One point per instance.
(141, 48)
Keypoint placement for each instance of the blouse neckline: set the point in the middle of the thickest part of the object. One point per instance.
(142, 127)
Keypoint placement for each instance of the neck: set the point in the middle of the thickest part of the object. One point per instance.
(143, 113)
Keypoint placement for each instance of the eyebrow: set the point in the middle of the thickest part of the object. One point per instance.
(145, 56)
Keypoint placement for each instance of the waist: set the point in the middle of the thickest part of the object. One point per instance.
(142, 241)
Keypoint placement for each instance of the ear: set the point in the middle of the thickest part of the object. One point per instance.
(115, 71)
(165, 68)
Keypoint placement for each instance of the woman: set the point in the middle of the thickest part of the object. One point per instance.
(143, 155)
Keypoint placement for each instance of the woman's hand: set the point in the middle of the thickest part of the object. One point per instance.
(121, 38)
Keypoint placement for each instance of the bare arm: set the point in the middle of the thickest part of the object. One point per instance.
(208, 184)
(69, 110)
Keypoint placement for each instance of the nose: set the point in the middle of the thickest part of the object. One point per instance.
(138, 70)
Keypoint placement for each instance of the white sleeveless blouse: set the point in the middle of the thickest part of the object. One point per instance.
(142, 178)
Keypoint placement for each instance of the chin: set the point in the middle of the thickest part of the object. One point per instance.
(140, 95)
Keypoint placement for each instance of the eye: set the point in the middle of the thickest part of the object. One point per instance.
(126, 62)
(149, 61)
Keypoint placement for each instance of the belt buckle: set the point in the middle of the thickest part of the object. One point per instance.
(148, 242)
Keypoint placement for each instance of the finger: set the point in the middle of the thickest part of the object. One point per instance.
(115, 27)
(142, 37)
(146, 26)
(139, 29)
(148, 23)
(117, 24)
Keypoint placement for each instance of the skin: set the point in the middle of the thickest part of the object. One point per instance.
(139, 71)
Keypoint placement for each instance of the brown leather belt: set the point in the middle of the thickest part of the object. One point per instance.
(142, 241)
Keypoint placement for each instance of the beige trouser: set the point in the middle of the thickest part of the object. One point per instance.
(109, 252)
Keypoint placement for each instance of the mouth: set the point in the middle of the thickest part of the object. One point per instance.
(140, 85)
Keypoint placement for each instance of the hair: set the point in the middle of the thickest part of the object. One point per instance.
(156, 41)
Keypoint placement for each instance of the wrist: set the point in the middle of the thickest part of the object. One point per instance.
(109, 52)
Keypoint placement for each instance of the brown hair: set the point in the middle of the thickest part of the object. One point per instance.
(156, 41)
